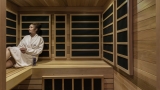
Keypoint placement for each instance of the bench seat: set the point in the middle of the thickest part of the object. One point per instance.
(16, 75)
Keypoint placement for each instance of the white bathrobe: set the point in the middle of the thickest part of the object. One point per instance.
(34, 46)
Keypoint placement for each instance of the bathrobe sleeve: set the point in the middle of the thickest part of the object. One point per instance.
(38, 50)
(21, 44)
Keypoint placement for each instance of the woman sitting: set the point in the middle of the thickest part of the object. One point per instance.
(30, 45)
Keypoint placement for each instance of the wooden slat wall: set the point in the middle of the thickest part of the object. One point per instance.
(60, 3)
(3, 44)
(144, 35)
(158, 42)
(53, 30)
(12, 7)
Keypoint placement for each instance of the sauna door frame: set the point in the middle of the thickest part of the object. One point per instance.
(158, 41)
(3, 44)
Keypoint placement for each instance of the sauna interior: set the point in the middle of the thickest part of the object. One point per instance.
(89, 44)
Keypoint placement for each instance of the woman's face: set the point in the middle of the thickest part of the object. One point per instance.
(32, 29)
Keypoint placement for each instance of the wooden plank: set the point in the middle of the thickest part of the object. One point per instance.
(145, 45)
(69, 62)
(72, 76)
(145, 35)
(119, 86)
(146, 24)
(148, 78)
(19, 3)
(69, 3)
(18, 77)
(108, 86)
(158, 42)
(12, 7)
(31, 82)
(101, 3)
(63, 9)
(145, 55)
(145, 66)
(39, 72)
(107, 4)
(122, 83)
(143, 80)
(135, 2)
(147, 13)
(143, 5)
(108, 81)
(3, 44)
(28, 87)
(110, 89)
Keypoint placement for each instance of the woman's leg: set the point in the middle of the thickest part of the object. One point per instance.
(8, 53)
(10, 62)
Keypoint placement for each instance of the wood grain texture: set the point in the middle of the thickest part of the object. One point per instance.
(107, 4)
(3, 44)
(15, 76)
(143, 5)
(68, 69)
(145, 35)
(145, 14)
(145, 55)
(12, 7)
(62, 9)
(145, 46)
(59, 3)
(122, 83)
(158, 42)
(147, 24)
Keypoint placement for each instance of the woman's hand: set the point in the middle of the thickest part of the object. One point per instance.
(23, 50)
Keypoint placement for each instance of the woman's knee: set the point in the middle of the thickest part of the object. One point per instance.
(9, 64)
(7, 48)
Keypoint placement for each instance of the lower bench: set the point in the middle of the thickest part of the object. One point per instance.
(16, 75)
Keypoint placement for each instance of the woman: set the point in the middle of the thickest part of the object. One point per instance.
(30, 45)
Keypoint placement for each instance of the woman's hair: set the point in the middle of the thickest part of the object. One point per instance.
(38, 27)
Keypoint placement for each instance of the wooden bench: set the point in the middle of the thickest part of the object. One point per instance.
(52, 69)
(16, 75)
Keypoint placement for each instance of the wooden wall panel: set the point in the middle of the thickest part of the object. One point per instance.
(3, 44)
(145, 45)
(146, 24)
(12, 7)
(158, 42)
(59, 3)
(62, 9)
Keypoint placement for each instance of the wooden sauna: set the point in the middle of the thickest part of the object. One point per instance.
(88, 44)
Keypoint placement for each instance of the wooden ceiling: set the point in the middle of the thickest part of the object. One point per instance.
(59, 3)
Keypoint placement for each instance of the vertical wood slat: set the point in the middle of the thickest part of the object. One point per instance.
(52, 84)
(158, 41)
(72, 83)
(82, 83)
(62, 83)
(43, 84)
(113, 33)
(16, 21)
(65, 36)
(129, 37)
(3, 44)
(92, 81)
(102, 83)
